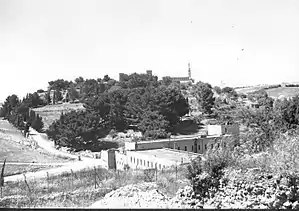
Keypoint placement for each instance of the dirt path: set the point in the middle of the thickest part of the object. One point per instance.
(48, 146)
(76, 166)
(35, 164)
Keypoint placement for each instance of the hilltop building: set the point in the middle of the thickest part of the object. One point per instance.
(183, 79)
(123, 76)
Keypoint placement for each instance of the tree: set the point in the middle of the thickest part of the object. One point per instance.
(106, 78)
(40, 91)
(217, 89)
(166, 81)
(48, 98)
(204, 95)
(229, 91)
(170, 103)
(78, 130)
(57, 96)
(90, 88)
(265, 124)
(153, 125)
(79, 80)
(59, 84)
(138, 80)
(289, 112)
(73, 94)
(10, 104)
(33, 100)
(37, 123)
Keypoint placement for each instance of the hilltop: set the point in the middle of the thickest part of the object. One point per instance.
(274, 91)
(283, 92)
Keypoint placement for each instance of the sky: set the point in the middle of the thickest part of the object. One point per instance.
(238, 42)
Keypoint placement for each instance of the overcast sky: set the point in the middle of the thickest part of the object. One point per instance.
(45, 40)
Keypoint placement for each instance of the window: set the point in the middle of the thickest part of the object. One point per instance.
(218, 145)
(212, 146)
(163, 166)
(224, 144)
(147, 163)
(152, 164)
(131, 159)
(205, 147)
(144, 163)
(225, 130)
(178, 148)
(137, 161)
(198, 147)
(192, 148)
(185, 148)
(134, 160)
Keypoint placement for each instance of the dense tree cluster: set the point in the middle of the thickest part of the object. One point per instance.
(205, 96)
(18, 112)
(265, 122)
(139, 102)
(292, 85)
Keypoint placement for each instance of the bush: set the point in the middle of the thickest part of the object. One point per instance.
(205, 173)
(37, 123)
(284, 154)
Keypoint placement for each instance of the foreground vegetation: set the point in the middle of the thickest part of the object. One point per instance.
(80, 189)
(235, 177)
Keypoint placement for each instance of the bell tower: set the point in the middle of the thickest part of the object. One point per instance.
(189, 71)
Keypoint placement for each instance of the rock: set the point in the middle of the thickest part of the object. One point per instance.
(295, 205)
(287, 204)
(277, 204)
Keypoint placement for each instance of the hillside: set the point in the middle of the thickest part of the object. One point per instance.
(20, 152)
(50, 113)
(283, 91)
(247, 90)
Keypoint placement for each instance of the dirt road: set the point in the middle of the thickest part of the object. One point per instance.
(75, 166)
(48, 146)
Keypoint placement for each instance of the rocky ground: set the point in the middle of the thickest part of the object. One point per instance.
(144, 195)
(250, 190)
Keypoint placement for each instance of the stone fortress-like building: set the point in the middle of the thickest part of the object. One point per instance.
(187, 79)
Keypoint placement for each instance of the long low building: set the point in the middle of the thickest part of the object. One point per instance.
(149, 159)
(160, 154)
(197, 144)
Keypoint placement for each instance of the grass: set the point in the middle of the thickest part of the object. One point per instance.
(251, 89)
(50, 113)
(12, 169)
(275, 92)
(280, 159)
(283, 91)
(12, 149)
(78, 189)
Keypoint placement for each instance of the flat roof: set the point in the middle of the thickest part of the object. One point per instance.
(170, 154)
(182, 139)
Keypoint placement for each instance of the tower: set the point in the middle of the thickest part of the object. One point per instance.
(149, 73)
(189, 71)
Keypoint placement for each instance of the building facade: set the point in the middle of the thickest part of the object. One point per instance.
(164, 153)
(187, 79)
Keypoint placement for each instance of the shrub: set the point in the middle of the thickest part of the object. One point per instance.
(284, 153)
(205, 173)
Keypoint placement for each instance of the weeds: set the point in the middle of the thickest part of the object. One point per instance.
(77, 189)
